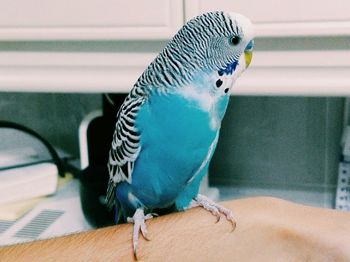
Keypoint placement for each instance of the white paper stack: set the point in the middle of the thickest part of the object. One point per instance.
(25, 175)
(27, 182)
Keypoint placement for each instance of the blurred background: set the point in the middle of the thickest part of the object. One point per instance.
(284, 133)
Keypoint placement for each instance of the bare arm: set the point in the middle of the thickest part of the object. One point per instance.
(267, 230)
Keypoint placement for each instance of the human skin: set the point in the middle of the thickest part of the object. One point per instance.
(268, 229)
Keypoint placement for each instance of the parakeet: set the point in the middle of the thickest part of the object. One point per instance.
(168, 126)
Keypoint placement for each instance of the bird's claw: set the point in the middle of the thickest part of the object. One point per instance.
(138, 220)
(215, 209)
(229, 216)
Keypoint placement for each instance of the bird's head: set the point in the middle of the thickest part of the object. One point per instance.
(215, 41)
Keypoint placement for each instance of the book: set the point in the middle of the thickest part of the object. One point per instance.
(14, 210)
(26, 182)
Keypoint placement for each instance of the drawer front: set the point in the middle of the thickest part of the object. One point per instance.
(89, 19)
(284, 17)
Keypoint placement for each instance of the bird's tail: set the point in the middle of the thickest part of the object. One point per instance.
(111, 202)
(110, 196)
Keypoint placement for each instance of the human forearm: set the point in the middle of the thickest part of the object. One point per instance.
(86, 246)
(267, 230)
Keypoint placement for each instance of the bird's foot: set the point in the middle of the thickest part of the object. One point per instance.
(214, 208)
(138, 220)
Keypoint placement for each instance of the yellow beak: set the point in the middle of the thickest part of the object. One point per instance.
(248, 57)
(248, 53)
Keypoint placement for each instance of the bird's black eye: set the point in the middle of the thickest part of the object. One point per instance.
(235, 40)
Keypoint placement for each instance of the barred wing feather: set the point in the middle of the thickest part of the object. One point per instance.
(125, 146)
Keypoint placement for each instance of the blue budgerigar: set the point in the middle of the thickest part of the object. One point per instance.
(168, 126)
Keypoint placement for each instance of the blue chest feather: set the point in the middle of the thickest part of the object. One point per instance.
(175, 138)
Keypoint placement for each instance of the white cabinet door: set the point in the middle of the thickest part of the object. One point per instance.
(284, 17)
(89, 19)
